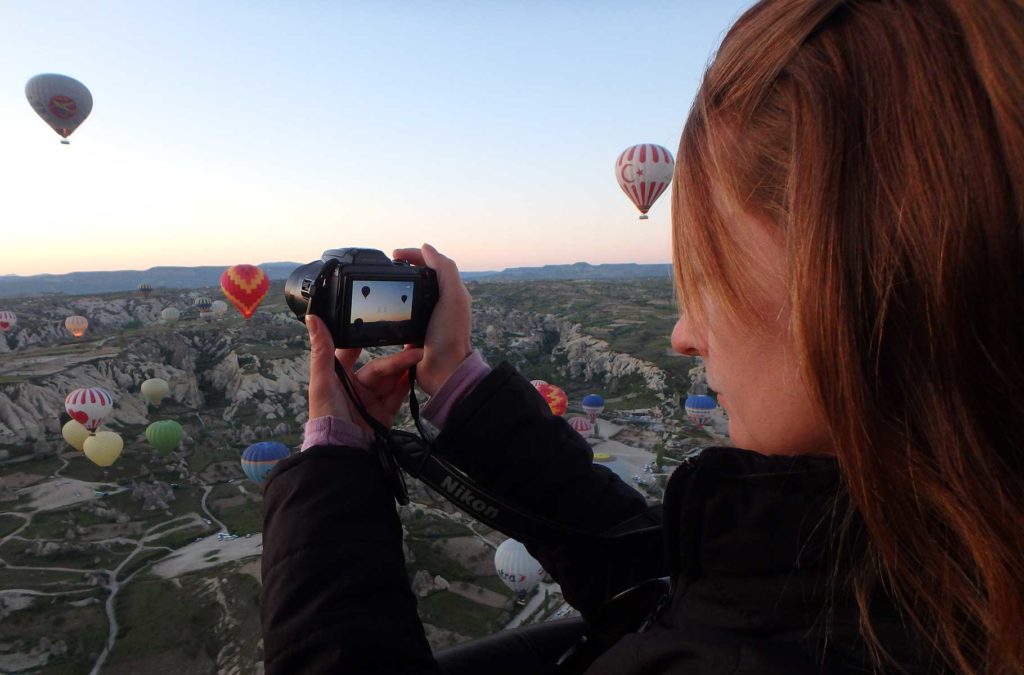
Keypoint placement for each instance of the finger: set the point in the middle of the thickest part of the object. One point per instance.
(387, 367)
(446, 269)
(348, 357)
(412, 255)
(393, 399)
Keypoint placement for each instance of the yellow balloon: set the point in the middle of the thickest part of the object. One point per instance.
(155, 389)
(75, 434)
(104, 448)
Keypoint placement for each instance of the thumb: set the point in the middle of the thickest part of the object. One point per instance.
(321, 347)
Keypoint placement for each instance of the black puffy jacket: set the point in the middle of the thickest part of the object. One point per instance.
(748, 540)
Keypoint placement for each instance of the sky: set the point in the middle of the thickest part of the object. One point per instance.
(381, 300)
(229, 132)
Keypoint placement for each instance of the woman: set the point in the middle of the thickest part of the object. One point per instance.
(849, 255)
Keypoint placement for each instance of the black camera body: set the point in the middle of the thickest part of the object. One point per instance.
(365, 298)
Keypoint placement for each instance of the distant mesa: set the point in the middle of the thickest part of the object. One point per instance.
(89, 283)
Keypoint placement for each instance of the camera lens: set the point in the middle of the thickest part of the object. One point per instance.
(299, 286)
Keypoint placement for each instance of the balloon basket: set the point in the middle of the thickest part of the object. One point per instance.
(643, 216)
(65, 141)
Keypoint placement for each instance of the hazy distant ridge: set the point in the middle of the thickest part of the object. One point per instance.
(580, 270)
(85, 283)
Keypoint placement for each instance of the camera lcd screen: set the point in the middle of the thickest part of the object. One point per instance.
(377, 302)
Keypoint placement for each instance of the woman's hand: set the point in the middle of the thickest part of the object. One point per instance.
(382, 384)
(447, 342)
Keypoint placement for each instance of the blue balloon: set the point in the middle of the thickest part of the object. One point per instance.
(699, 408)
(260, 458)
(593, 400)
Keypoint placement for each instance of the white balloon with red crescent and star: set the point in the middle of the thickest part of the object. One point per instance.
(89, 406)
(644, 172)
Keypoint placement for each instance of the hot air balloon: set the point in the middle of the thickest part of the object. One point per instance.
(145, 289)
(404, 298)
(517, 568)
(104, 448)
(643, 172)
(365, 290)
(89, 406)
(699, 408)
(63, 102)
(581, 425)
(76, 325)
(170, 314)
(154, 390)
(164, 435)
(592, 404)
(8, 320)
(260, 458)
(556, 398)
(75, 434)
(219, 307)
(244, 286)
(202, 303)
(537, 383)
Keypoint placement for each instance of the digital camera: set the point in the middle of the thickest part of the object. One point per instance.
(365, 298)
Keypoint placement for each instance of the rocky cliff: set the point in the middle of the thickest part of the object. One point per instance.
(244, 380)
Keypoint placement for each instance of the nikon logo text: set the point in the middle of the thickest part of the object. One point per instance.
(462, 495)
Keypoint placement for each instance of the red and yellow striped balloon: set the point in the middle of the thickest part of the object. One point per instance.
(244, 286)
(555, 397)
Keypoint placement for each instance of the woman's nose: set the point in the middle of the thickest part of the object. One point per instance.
(683, 339)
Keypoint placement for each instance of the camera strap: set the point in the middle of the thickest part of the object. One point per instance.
(381, 435)
(630, 611)
(415, 454)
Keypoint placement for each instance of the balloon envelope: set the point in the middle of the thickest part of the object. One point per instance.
(516, 567)
(259, 459)
(75, 434)
(155, 389)
(63, 102)
(219, 307)
(644, 172)
(164, 435)
(592, 404)
(89, 406)
(202, 303)
(170, 314)
(556, 398)
(581, 425)
(8, 320)
(76, 325)
(104, 448)
(244, 286)
(699, 408)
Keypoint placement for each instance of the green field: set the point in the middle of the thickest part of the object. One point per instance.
(456, 613)
(82, 629)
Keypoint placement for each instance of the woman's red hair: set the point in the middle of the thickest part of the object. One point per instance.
(882, 141)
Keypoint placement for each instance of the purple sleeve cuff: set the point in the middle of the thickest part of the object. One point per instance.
(334, 431)
(462, 381)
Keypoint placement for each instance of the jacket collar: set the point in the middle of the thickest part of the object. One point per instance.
(734, 512)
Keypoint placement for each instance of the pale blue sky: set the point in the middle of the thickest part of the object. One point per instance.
(227, 132)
